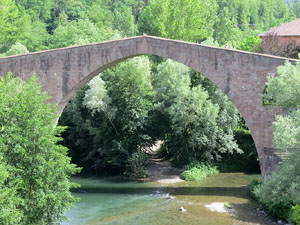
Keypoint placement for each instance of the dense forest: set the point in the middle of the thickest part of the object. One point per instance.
(117, 116)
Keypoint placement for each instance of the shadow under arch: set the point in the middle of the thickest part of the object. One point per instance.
(240, 75)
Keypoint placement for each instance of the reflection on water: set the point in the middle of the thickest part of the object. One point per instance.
(121, 202)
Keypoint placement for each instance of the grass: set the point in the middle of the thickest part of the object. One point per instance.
(227, 205)
(198, 171)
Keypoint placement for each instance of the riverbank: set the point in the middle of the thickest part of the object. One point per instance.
(159, 170)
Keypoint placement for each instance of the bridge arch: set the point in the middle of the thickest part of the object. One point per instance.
(240, 75)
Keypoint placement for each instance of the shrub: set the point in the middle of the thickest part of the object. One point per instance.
(136, 165)
(296, 214)
(280, 209)
(281, 190)
(253, 185)
(240, 162)
(198, 170)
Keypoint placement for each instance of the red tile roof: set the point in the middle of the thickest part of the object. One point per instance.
(287, 29)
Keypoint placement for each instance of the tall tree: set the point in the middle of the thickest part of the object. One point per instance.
(38, 167)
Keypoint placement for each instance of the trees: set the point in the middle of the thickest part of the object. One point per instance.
(38, 9)
(111, 117)
(38, 168)
(117, 15)
(195, 127)
(296, 9)
(78, 32)
(226, 30)
(287, 82)
(281, 190)
(180, 19)
(16, 49)
(13, 23)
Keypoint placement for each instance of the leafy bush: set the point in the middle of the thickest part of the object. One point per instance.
(281, 190)
(136, 165)
(281, 209)
(250, 43)
(246, 161)
(253, 185)
(296, 214)
(198, 170)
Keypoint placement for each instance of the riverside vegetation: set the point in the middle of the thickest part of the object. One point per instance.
(34, 169)
(116, 117)
(280, 192)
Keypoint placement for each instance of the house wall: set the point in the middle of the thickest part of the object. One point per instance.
(291, 38)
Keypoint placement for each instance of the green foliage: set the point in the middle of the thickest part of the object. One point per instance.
(179, 19)
(9, 212)
(110, 119)
(36, 37)
(280, 209)
(245, 162)
(196, 128)
(250, 43)
(296, 9)
(227, 205)
(136, 165)
(253, 185)
(16, 49)
(296, 214)
(198, 170)
(72, 9)
(287, 82)
(38, 9)
(78, 32)
(287, 131)
(117, 15)
(38, 168)
(281, 190)
(13, 23)
(291, 2)
(226, 30)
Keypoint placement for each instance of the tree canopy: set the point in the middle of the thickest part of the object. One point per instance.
(34, 168)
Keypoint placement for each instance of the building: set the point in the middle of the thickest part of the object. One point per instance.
(286, 33)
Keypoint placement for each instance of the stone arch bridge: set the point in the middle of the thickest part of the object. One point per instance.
(241, 75)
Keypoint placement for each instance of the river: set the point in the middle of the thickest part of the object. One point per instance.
(115, 201)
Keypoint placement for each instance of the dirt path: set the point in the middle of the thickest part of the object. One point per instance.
(161, 171)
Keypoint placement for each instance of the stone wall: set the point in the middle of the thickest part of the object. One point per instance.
(271, 160)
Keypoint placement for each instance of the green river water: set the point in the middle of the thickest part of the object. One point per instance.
(113, 201)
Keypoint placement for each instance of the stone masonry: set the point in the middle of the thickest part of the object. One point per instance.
(241, 75)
